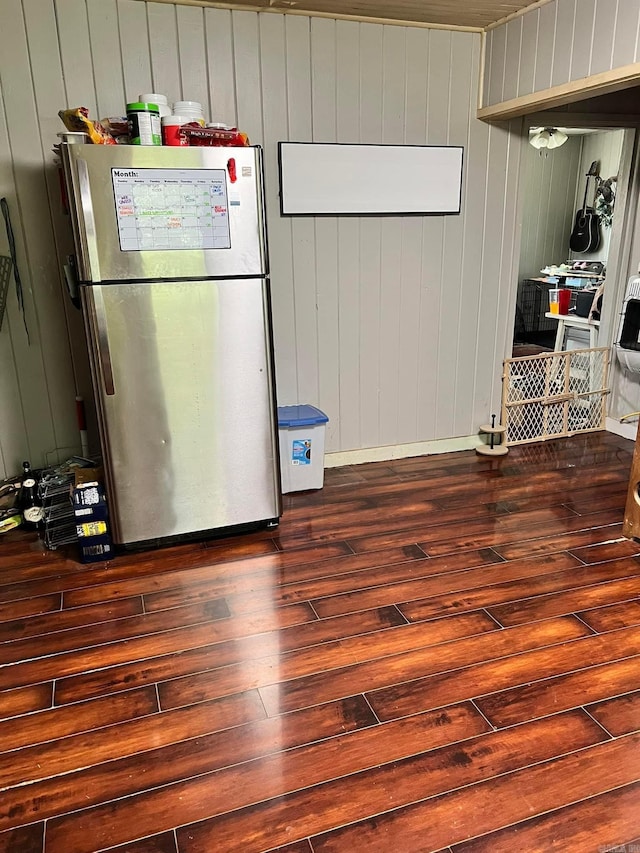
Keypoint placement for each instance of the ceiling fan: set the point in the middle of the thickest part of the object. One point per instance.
(547, 137)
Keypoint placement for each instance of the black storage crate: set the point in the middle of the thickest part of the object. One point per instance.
(533, 303)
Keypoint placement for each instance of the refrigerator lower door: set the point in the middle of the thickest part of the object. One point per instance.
(184, 391)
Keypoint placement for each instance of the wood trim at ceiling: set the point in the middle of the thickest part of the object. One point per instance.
(518, 14)
(393, 22)
(613, 80)
(603, 120)
(482, 70)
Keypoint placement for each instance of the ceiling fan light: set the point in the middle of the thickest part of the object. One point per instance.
(557, 138)
(541, 140)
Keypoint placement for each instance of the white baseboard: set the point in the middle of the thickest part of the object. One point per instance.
(401, 451)
(626, 430)
(443, 445)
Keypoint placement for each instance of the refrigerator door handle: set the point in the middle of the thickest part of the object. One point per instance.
(89, 220)
(104, 351)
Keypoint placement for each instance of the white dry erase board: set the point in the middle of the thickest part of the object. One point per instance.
(333, 179)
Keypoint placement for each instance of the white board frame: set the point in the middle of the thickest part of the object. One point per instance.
(336, 179)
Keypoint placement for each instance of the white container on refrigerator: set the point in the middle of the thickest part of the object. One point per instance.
(173, 260)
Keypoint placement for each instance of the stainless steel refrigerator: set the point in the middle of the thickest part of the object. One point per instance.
(172, 258)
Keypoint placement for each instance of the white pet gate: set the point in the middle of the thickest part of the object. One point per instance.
(554, 394)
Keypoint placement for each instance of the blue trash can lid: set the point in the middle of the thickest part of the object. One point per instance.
(297, 416)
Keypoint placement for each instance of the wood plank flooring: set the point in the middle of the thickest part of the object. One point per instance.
(436, 654)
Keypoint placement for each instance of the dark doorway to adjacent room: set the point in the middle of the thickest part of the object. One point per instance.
(554, 186)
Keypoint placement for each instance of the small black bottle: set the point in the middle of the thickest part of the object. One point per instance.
(31, 505)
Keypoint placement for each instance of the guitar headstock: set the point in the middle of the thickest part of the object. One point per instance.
(594, 169)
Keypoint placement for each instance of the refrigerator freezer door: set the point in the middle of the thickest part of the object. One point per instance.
(147, 212)
(183, 375)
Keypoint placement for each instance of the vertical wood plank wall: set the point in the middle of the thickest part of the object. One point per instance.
(606, 149)
(548, 205)
(558, 43)
(396, 327)
(552, 192)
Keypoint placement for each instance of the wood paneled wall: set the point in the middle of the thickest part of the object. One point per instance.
(396, 327)
(557, 43)
(548, 205)
(37, 406)
(606, 148)
(552, 192)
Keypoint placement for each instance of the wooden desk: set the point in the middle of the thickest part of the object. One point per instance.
(571, 321)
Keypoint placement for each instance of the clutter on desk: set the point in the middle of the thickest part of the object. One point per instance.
(574, 273)
(585, 280)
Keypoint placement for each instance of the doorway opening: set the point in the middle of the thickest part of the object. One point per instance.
(569, 184)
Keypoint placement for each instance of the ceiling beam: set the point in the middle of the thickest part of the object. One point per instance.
(584, 120)
(625, 77)
(246, 7)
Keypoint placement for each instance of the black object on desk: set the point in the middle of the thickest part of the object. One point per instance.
(532, 304)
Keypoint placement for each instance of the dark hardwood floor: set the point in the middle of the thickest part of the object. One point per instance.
(432, 654)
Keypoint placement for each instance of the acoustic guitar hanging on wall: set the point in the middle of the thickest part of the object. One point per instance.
(585, 236)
